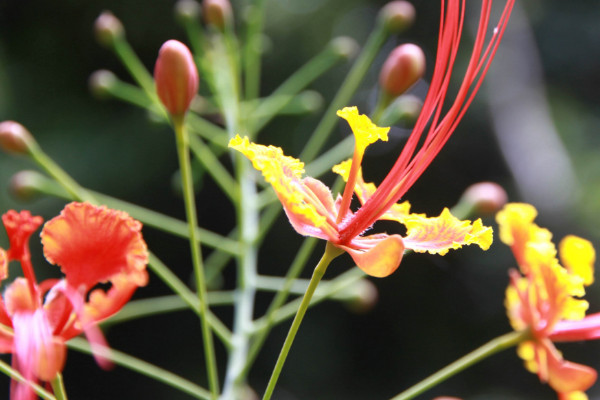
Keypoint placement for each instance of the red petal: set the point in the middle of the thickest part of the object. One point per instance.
(91, 244)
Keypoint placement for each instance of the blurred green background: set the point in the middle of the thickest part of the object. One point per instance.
(533, 129)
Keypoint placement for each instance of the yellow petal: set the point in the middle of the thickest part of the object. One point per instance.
(578, 256)
(365, 131)
(439, 234)
(285, 175)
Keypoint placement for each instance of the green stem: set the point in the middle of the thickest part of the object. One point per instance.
(58, 387)
(333, 288)
(279, 299)
(345, 92)
(75, 191)
(190, 210)
(252, 49)
(135, 309)
(135, 67)
(14, 374)
(331, 252)
(310, 71)
(171, 280)
(143, 367)
(492, 347)
(216, 170)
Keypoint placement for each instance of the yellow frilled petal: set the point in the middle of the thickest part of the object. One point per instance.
(517, 229)
(365, 131)
(515, 221)
(285, 175)
(364, 190)
(578, 256)
(439, 234)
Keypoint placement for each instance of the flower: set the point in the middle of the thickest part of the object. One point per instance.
(176, 77)
(92, 245)
(545, 299)
(312, 211)
(309, 204)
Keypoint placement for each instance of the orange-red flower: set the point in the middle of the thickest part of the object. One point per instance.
(92, 245)
(309, 204)
(545, 299)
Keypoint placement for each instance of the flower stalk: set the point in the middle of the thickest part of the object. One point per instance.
(331, 252)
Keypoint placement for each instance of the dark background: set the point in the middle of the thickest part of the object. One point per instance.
(433, 309)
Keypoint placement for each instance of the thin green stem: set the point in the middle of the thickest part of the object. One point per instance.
(310, 71)
(216, 170)
(345, 92)
(135, 67)
(253, 49)
(190, 210)
(171, 280)
(135, 309)
(142, 367)
(331, 252)
(75, 191)
(14, 374)
(333, 288)
(279, 299)
(58, 387)
(490, 348)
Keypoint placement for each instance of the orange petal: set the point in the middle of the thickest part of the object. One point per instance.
(439, 234)
(91, 244)
(565, 376)
(380, 260)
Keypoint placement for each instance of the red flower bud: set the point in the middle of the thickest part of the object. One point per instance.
(108, 28)
(216, 13)
(15, 138)
(397, 16)
(176, 77)
(403, 68)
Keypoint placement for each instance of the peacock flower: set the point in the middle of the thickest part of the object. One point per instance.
(309, 204)
(312, 211)
(545, 299)
(92, 245)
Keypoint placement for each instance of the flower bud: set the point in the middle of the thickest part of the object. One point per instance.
(24, 185)
(187, 10)
(345, 47)
(217, 13)
(108, 29)
(176, 77)
(403, 68)
(397, 16)
(485, 197)
(403, 110)
(15, 138)
(101, 83)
